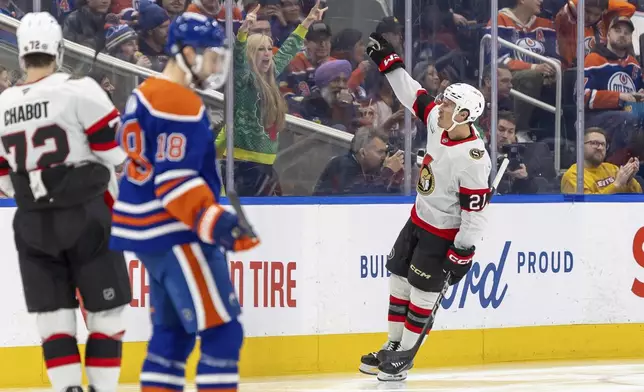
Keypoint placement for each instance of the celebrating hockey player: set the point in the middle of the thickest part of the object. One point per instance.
(169, 215)
(58, 149)
(447, 219)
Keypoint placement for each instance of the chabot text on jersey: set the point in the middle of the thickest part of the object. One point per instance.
(31, 111)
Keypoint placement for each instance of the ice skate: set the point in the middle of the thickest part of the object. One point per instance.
(393, 371)
(369, 362)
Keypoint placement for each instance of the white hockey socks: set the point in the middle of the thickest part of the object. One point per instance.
(420, 308)
(399, 290)
(103, 351)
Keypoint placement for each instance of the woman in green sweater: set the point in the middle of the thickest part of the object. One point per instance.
(260, 110)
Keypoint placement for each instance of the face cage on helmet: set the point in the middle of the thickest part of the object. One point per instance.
(212, 81)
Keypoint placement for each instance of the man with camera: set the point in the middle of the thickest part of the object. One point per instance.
(370, 167)
(518, 179)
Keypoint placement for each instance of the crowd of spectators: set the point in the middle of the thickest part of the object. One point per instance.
(289, 59)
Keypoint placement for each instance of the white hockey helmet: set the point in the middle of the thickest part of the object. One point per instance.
(465, 97)
(39, 32)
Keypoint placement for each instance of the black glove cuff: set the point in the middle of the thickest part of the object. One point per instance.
(391, 62)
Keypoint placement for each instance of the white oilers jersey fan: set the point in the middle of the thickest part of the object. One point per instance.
(453, 187)
(56, 121)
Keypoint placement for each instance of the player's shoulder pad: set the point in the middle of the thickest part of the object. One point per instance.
(84, 82)
(9, 95)
(170, 101)
(86, 88)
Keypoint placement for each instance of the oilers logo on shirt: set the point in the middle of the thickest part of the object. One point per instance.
(621, 82)
(531, 45)
(589, 44)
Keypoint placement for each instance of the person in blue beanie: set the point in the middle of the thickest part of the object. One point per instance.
(152, 26)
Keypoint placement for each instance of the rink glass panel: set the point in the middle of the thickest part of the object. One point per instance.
(453, 45)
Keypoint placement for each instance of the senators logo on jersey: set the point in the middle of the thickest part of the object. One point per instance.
(426, 181)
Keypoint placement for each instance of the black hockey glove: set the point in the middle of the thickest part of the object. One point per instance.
(383, 54)
(458, 262)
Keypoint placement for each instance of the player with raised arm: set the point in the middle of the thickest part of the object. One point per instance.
(168, 213)
(57, 152)
(447, 219)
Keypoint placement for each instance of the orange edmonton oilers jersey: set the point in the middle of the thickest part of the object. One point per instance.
(170, 177)
(606, 76)
(537, 35)
(566, 26)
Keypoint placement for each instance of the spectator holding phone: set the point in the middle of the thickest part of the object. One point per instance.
(260, 110)
(284, 16)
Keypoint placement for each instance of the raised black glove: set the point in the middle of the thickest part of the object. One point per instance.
(383, 54)
(458, 262)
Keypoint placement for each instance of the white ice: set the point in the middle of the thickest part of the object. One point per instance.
(604, 376)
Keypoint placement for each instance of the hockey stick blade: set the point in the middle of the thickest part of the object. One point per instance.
(241, 216)
(407, 356)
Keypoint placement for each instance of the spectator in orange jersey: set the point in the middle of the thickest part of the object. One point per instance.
(213, 9)
(299, 78)
(613, 81)
(521, 26)
(598, 15)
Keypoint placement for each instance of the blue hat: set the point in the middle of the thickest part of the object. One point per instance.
(128, 14)
(194, 30)
(117, 35)
(151, 16)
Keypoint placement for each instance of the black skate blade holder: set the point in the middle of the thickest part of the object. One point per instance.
(407, 356)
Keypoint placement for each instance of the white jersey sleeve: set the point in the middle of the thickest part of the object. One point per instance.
(99, 119)
(474, 196)
(6, 186)
(411, 94)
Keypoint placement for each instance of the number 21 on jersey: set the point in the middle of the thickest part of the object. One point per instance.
(169, 147)
(473, 199)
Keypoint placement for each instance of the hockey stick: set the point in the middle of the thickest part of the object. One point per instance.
(241, 216)
(408, 355)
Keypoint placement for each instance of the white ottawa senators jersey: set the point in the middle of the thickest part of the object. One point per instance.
(453, 187)
(56, 120)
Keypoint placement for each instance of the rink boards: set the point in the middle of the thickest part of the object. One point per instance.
(551, 281)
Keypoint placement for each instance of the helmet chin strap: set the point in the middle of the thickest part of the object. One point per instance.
(454, 122)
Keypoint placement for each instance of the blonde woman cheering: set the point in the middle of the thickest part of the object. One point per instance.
(260, 109)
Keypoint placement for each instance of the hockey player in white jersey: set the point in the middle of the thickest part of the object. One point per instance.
(57, 150)
(447, 219)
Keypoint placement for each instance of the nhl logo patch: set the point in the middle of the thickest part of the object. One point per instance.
(475, 153)
(109, 294)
